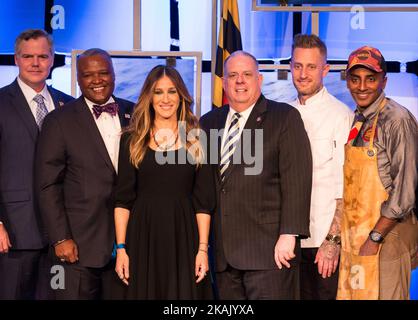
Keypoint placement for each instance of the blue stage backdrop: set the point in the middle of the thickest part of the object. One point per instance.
(16, 16)
(108, 24)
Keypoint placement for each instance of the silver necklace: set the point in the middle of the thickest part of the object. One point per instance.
(167, 146)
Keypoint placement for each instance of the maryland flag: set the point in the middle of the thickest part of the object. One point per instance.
(229, 41)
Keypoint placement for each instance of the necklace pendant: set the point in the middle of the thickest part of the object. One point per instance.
(167, 146)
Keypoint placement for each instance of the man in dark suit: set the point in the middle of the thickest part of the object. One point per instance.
(263, 205)
(23, 104)
(76, 169)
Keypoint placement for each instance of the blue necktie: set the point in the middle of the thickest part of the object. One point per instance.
(41, 110)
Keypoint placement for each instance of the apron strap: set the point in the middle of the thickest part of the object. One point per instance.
(381, 106)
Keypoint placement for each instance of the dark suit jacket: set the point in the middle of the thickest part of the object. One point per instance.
(75, 179)
(18, 136)
(253, 210)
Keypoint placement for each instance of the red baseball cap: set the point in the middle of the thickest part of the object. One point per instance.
(368, 57)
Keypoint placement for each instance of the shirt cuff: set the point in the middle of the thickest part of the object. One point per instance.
(392, 212)
(58, 242)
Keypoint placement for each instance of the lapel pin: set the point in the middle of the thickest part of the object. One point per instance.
(60, 103)
(258, 119)
(127, 116)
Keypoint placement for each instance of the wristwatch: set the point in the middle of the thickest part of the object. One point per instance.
(376, 236)
(335, 238)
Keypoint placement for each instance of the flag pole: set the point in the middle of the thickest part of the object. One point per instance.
(214, 43)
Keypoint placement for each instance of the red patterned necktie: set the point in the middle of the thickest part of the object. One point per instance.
(111, 108)
(355, 130)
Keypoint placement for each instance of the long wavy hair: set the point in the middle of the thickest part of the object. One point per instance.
(143, 117)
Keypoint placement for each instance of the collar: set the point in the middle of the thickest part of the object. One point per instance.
(317, 97)
(371, 110)
(29, 93)
(90, 104)
(244, 114)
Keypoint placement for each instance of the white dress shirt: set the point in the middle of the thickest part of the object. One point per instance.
(110, 130)
(327, 122)
(29, 94)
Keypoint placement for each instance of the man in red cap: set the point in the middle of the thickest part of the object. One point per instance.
(379, 231)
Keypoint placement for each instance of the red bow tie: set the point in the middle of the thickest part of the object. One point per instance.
(111, 108)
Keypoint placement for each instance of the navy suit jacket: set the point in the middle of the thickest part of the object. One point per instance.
(75, 180)
(18, 137)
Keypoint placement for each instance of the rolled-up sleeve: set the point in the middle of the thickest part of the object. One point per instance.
(402, 150)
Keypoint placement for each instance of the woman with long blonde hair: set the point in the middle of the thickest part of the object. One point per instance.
(164, 196)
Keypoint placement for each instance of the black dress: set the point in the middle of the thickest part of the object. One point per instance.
(162, 235)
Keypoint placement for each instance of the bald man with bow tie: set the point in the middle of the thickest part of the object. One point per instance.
(77, 160)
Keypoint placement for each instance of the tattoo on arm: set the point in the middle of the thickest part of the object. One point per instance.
(336, 222)
(330, 250)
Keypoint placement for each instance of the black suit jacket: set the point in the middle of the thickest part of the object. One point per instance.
(75, 180)
(254, 210)
(18, 136)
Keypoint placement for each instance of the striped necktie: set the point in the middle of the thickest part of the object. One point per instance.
(229, 145)
(41, 110)
(355, 130)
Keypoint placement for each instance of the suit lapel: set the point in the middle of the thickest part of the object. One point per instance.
(124, 117)
(258, 114)
(23, 109)
(86, 120)
(254, 121)
(55, 98)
